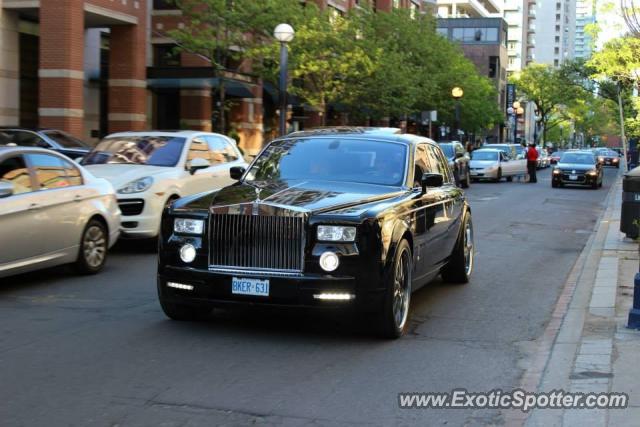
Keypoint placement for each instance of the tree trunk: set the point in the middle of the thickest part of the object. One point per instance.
(323, 112)
(622, 133)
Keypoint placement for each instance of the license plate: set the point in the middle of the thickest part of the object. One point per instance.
(244, 286)
(573, 177)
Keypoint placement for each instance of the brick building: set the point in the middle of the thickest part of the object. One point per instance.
(91, 67)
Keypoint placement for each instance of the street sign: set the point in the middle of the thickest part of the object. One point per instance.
(511, 95)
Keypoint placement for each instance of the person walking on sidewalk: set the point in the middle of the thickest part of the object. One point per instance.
(532, 162)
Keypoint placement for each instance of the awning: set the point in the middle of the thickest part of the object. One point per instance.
(197, 78)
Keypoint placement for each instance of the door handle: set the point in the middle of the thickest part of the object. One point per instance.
(77, 198)
(34, 206)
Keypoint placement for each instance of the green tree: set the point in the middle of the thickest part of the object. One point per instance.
(551, 92)
(223, 31)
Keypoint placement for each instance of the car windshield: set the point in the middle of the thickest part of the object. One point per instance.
(484, 155)
(580, 158)
(331, 159)
(448, 150)
(65, 140)
(556, 153)
(139, 150)
(519, 149)
(504, 148)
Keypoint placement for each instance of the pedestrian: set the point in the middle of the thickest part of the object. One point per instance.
(532, 161)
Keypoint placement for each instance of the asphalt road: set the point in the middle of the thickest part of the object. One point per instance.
(99, 351)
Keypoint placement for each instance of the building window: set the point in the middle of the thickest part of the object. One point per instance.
(557, 39)
(558, 6)
(557, 16)
(556, 50)
(556, 62)
(494, 64)
(164, 5)
(557, 28)
(165, 55)
(475, 35)
(512, 60)
(444, 32)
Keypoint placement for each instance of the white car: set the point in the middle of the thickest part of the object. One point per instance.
(53, 212)
(151, 169)
(494, 164)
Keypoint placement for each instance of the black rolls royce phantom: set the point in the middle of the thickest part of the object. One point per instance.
(352, 218)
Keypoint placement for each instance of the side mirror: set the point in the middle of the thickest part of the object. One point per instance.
(6, 189)
(236, 172)
(79, 160)
(431, 180)
(197, 164)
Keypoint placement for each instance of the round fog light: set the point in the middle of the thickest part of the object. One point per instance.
(187, 253)
(329, 261)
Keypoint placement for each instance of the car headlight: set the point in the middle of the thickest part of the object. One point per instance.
(601, 159)
(614, 160)
(592, 172)
(137, 186)
(335, 233)
(188, 226)
(556, 171)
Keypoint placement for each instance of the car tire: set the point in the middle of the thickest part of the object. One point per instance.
(183, 313)
(460, 265)
(466, 181)
(393, 319)
(554, 184)
(595, 185)
(94, 245)
(509, 179)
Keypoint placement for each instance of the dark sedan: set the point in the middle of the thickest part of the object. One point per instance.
(329, 219)
(458, 162)
(608, 157)
(52, 139)
(577, 168)
(555, 157)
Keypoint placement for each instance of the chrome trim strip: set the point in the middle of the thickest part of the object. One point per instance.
(253, 272)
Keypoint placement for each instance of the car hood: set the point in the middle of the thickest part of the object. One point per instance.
(575, 166)
(483, 163)
(120, 174)
(305, 195)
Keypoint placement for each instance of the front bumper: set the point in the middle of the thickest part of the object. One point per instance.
(582, 179)
(146, 223)
(213, 289)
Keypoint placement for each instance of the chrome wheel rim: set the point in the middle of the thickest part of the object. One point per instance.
(401, 290)
(94, 246)
(468, 248)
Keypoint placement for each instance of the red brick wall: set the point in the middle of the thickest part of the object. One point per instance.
(61, 51)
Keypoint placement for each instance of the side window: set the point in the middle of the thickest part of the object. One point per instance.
(439, 163)
(221, 150)
(421, 164)
(14, 171)
(28, 139)
(50, 171)
(198, 149)
(73, 173)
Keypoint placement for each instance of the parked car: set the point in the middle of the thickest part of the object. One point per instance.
(149, 170)
(53, 212)
(555, 156)
(52, 139)
(577, 168)
(607, 157)
(543, 158)
(320, 219)
(494, 164)
(458, 162)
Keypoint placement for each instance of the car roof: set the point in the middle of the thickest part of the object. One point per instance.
(495, 150)
(380, 133)
(21, 149)
(184, 133)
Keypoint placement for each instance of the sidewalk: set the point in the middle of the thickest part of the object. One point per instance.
(586, 347)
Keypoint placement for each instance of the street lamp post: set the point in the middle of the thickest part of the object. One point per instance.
(457, 93)
(284, 34)
(517, 111)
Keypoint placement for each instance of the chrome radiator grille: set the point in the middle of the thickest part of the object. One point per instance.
(253, 242)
